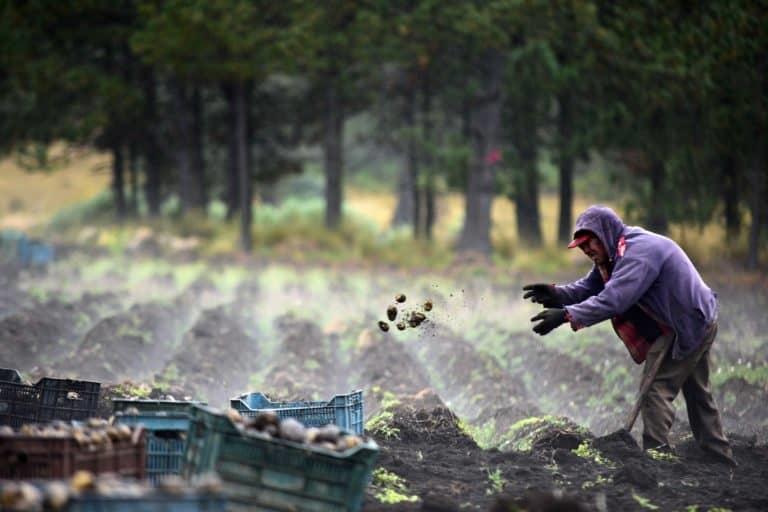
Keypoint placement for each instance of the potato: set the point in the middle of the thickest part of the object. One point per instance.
(56, 495)
(292, 430)
(81, 481)
(264, 419)
(328, 433)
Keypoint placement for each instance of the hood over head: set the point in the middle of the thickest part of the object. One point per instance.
(604, 223)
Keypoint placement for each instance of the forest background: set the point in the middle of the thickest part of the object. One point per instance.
(399, 131)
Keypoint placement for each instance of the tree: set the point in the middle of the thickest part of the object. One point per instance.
(231, 42)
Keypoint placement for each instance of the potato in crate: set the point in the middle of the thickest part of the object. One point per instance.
(346, 411)
(271, 464)
(58, 450)
(86, 492)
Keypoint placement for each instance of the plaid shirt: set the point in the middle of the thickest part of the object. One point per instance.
(636, 327)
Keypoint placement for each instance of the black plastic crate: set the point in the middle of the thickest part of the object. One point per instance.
(49, 399)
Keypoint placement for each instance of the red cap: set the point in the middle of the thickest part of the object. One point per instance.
(579, 240)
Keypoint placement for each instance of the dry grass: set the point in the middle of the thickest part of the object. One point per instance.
(31, 198)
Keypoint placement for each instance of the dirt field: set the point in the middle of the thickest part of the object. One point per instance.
(471, 410)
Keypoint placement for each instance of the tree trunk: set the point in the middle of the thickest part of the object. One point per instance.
(118, 192)
(413, 162)
(657, 214)
(757, 211)
(730, 196)
(244, 178)
(428, 195)
(133, 170)
(198, 143)
(151, 148)
(333, 127)
(526, 178)
(407, 197)
(182, 148)
(565, 129)
(231, 197)
(527, 197)
(404, 208)
(485, 128)
(429, 204)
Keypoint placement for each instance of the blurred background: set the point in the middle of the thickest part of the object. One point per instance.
(402, 132)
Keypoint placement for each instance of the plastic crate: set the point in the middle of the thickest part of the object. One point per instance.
(346, 411)
(156, 503)
(27, 456)
(167, 422)
(49, 399)
(166, 441)
(34, 252)
(273, 474)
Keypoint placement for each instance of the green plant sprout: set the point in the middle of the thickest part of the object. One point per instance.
(390, 488)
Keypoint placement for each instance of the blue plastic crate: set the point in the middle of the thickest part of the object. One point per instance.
(166, 441)
(34, 252)
(166, 423)
(158, 503)
(346, 411)
(268, 474)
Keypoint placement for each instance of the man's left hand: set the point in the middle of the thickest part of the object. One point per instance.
(549, 319)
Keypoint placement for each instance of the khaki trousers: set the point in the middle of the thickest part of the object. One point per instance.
(692, 376)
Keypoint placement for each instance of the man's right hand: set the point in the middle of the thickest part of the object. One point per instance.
(542, 293)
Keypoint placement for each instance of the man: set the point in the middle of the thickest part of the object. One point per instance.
(656, 299)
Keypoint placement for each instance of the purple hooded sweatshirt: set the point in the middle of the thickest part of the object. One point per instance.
(650, 270)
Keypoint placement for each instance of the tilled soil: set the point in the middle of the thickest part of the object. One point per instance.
(449, 472)
(214, 358)
(436, 390)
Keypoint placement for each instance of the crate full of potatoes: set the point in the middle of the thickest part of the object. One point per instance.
(59, 449)
(269, 463)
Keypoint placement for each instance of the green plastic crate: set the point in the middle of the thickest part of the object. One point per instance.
(273, 474)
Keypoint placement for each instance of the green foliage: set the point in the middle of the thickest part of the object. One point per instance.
(381, 423)
(586, 451)
(522, 434)
(644, 502)
(390, 488)
(662, 456)
(496, 482)
(128, 389)
(484, 435)
(757, 375)
(100, 207)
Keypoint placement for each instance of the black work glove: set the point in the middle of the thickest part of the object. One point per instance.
(544, 294)
(550, 319)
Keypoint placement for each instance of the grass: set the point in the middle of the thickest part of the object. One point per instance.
(28, 199)
(76, 194)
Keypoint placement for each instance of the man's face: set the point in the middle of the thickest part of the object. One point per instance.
(594, 250)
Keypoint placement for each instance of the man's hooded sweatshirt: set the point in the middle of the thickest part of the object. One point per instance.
(647, 269)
